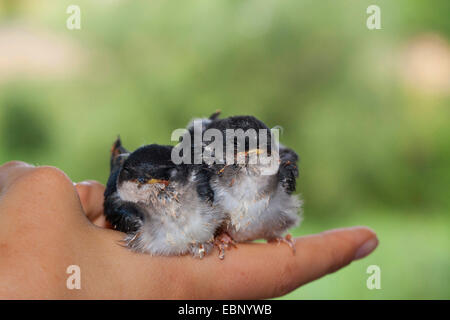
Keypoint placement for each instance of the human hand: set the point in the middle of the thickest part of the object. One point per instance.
(47, 223)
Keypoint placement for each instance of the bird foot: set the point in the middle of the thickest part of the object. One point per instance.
(287, 239)
(223, 241)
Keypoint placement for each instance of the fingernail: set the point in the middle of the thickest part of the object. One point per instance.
(366, 248)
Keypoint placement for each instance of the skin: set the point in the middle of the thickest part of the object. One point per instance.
(48, 223)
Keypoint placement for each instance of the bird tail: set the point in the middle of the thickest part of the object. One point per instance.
(118, 154)
(215, 115)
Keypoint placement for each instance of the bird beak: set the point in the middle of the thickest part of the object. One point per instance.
(246, 153)
(152, 181)
(257, 151)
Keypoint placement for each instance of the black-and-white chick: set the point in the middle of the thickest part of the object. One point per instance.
(165, 209)
(258, 205)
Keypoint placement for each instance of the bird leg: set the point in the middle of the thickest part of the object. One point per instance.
(287, 239)
(223, 241)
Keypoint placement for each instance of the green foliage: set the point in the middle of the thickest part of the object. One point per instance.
(24, 130)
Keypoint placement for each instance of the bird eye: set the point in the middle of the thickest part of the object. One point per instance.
(142, 180)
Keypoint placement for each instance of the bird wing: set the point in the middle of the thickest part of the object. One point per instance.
(288, 171)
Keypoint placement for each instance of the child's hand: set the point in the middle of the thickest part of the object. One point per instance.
(48, 224)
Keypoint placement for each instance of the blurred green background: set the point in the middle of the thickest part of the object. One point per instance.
(367, 110)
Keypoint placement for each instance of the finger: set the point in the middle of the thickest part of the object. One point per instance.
(255, 271)
(91, 197)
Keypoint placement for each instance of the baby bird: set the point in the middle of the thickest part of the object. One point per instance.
(165, 209)
(259, 204)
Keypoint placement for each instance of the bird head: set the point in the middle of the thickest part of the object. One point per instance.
(246, 138)
(145, 173)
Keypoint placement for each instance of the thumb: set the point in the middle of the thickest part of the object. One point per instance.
(91, 198)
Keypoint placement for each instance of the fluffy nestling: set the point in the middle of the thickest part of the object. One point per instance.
(165, 209)
(257, 205)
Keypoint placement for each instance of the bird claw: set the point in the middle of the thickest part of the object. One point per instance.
(201, 251)
(223, 242)
(287, 239)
